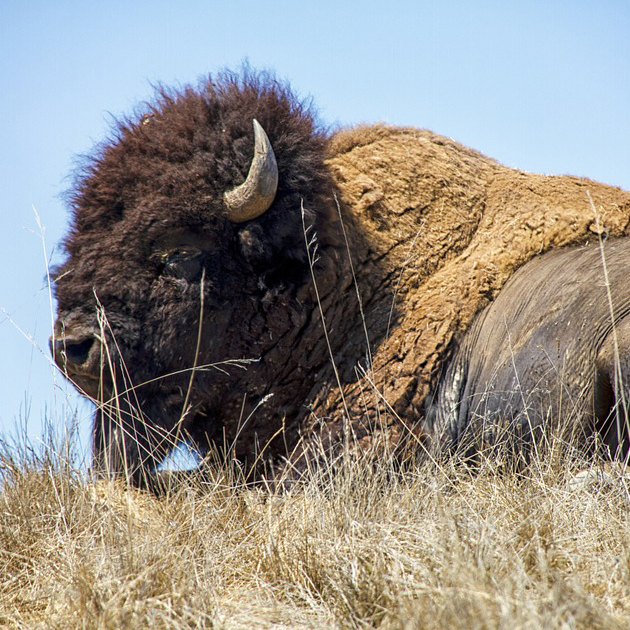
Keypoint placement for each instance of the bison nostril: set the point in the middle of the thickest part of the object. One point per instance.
(74, 351)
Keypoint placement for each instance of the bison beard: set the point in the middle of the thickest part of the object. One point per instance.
(238, 277)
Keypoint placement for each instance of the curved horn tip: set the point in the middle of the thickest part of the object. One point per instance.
(256, 194)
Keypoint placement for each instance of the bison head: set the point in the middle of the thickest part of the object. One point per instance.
(187, 282)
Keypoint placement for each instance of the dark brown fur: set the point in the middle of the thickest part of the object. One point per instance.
(159, 182)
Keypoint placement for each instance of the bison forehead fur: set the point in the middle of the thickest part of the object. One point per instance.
(377, 251)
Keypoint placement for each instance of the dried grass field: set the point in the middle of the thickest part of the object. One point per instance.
(438, 546)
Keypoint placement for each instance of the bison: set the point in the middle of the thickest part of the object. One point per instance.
(240, 278)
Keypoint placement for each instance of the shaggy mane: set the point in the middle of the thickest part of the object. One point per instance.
(195, 143)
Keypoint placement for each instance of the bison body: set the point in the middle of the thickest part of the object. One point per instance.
(260, 293)
(550, 355)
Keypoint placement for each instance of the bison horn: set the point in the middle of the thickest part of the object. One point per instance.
(254, 196)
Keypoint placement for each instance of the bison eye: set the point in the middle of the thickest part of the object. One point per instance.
(183, 263)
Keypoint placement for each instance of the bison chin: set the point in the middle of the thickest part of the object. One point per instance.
(128, 442)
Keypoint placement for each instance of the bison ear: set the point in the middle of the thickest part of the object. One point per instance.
(253, 247)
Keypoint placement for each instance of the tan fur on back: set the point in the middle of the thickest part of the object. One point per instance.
(452, 226)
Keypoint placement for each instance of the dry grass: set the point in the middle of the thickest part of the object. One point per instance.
(436, 547)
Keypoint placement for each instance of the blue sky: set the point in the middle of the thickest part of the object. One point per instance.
(543, 86)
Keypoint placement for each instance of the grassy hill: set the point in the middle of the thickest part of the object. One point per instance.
(440, 546)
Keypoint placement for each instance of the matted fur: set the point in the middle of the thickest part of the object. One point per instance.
(450, 226)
